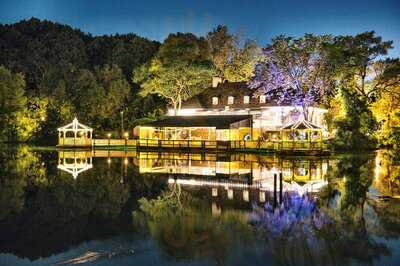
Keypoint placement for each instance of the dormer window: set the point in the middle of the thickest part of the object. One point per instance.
(246, 99)
(263, 99)
(215, 100)
(230, 99)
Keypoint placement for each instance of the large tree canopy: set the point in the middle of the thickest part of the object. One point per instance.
(176, 83)
(360, 67)
(233, 57)
(295, 71)
(181, 69)
(364, 76)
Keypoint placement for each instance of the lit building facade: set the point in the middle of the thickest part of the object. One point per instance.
(230, 111)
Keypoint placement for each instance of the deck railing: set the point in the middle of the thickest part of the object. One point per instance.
(216, 145)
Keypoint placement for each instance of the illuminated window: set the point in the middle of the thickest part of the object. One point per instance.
(263, 99)
(214, 100)
(230, 99)
(246, 99)
(245, 195)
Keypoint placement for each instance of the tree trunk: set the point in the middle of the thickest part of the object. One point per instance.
(175, 107)
(179, 103)
(305, 112)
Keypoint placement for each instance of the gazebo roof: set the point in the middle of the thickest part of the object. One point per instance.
(301, 124)
(75, 125)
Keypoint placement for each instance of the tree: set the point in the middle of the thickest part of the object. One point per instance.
(116, 90)
(233, 58)
(387, 113)
(356, 129)
(31, 118)
(363, 79)
(176, 83)
(184, 47)
(295, 71)
(12, 101)
(181, 69)
(358, 69)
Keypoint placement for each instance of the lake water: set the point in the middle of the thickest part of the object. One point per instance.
(129, 208)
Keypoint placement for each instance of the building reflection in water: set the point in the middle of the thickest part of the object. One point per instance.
(247, 177)
(74, 162)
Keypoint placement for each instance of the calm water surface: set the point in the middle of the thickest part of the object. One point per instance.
(128, 208)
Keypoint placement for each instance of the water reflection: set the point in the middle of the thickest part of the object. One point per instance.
(75, 162)
(197, 208)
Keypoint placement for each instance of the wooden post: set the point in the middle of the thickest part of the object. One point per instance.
(275, 199)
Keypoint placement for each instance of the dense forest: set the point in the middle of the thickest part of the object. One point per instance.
(50, 73)
(53, 72)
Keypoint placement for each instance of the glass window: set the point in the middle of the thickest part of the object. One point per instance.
(246, 99)
(263, 99)
(230, 99)
(214, 100)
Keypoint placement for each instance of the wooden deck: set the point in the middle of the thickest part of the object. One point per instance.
(287, 147)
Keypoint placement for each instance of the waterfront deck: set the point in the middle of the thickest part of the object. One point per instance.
(288, 147)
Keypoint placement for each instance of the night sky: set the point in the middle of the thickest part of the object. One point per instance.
(259, 20)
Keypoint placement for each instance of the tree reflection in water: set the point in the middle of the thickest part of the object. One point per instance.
(326, 230)
(296, 214)
(349, 221)
(185, 228)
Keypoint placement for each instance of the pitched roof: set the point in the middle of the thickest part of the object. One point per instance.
(217, 121)
(302, 124)
(235, 89)
(75, 125)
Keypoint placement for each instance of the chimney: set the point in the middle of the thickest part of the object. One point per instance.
(216, 81)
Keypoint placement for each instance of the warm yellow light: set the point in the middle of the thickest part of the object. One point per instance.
(42, 118)
(126, 161)
(126, 135)
(108, 160)
(109, 135)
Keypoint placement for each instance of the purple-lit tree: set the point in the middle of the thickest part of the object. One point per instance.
(295, 72)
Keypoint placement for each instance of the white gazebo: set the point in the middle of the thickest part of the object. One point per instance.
(302, 130)
(75, 134)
